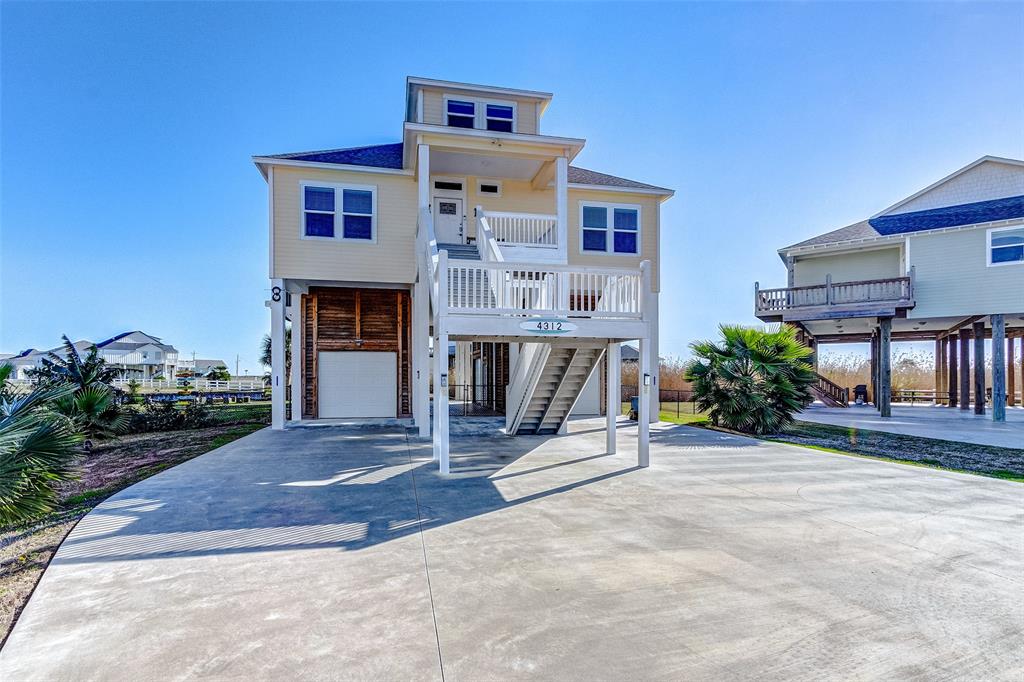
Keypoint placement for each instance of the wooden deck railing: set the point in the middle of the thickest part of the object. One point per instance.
(831, 390)
(898, 290)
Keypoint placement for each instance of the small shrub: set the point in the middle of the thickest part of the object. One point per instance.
(169, 417)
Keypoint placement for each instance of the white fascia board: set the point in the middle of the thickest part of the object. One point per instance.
(996, 159)
(574, 143)
(261, 160)
(667, 193)
(472, 87)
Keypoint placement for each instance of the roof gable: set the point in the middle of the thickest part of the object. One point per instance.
(986, 179)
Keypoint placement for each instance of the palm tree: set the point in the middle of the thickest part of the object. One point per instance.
(754, 380)
(265, 352)
(94, 412)
(73, 369)
(37, 448)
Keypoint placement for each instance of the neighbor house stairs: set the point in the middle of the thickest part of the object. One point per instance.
(829, 392)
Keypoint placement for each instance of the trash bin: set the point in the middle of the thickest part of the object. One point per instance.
(634, 407)
(860, 394)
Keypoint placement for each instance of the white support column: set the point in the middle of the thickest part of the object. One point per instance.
(646, 378)
(441, 367)
(423, 175)
(297, 352)
(643, 424)
(277, 364)
(562, 204)
(655, 361)
(613, 393)
(421, 355)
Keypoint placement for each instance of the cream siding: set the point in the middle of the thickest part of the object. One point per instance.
(517, 196)
(650, 217)
(848, 267)
(952, 276)
(389, 259)
(433, 109)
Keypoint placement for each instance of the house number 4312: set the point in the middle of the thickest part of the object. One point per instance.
(547, 326)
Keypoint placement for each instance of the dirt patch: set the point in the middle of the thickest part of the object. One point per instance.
(983, 459)
(26, 549)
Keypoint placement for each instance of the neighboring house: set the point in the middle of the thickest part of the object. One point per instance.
(946, 264)
(199, 367)
(140, 356)
(474, 228)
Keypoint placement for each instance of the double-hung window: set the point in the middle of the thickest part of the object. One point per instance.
(461, 113)
(339, 211)
(610, 228)
(500, 117)
(1006, 246)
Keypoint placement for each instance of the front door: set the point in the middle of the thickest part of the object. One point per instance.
(448, 220)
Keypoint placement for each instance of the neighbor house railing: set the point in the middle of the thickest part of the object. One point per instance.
(899, 290)
(194, 384)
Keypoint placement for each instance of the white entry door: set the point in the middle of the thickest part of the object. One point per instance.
(357, 384)
(448, 220)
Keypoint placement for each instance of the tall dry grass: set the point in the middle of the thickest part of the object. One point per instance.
(673, 371)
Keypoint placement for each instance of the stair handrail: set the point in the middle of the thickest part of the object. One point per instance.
(838, 393)
(523, 379)
(426, 245)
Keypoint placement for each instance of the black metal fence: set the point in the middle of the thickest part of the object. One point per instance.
(673, 402)
(466, 400)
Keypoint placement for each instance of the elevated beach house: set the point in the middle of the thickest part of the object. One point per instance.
(475, 228)
(946, 265)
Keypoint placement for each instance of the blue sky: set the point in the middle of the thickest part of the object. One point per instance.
(129, 201)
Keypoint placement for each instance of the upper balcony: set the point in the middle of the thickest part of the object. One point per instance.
(888, 297)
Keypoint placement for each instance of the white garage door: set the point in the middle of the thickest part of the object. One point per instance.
(357, 384)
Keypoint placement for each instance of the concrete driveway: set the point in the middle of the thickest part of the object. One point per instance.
(332, 553)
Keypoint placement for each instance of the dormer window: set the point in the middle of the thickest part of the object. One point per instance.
(500, 117)
(480, 114)
(461, 114)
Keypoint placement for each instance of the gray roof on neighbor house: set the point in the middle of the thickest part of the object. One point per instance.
(390, 156)
(114, 343)
(920, 221)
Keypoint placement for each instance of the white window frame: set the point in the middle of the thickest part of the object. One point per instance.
(487, 181)
(988, 245)
(610, 243)
(339, 211)
(480, 112)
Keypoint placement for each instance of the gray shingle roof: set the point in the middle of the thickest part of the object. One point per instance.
(390, 156)
(861, 230)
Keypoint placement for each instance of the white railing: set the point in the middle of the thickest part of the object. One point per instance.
(194, 384)
(522, 229)
(426, 247)
(533, 289)
(522, 381)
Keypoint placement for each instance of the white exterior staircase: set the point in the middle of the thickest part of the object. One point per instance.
(547, 382)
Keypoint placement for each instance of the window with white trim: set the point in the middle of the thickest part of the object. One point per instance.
(500, 117)
(610, 228)
(339, 212)
(1006, 246)
(461, 113)
(489, 188)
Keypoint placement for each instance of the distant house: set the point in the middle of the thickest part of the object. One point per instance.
(199, 367)
(136, 354)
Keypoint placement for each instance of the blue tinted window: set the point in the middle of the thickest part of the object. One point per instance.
(358, 227)
(460, 121)
(1008, 254)
(625, 219)
(499, 125)
(319, 199)
(1010, 238)
(357, 201)
(319, 224)
(595, 216)
(498, 111)
(594, 240)
(457, 107)
(625, 242)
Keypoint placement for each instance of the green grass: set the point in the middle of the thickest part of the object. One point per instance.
(676, 413)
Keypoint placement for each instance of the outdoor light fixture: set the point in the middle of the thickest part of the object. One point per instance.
(444, 381)
(647, 379)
